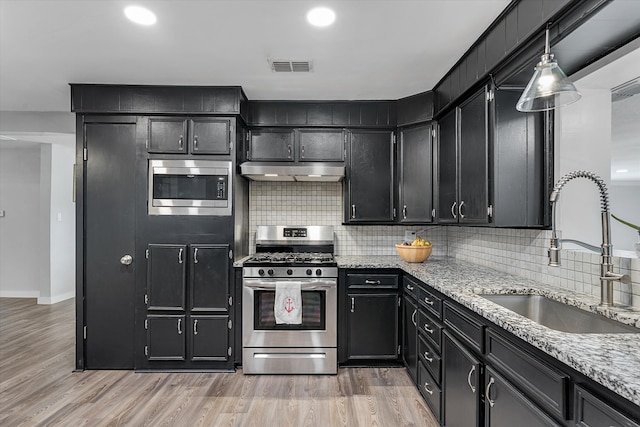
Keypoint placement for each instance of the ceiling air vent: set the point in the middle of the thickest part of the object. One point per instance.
(290, 66)
(625, 90)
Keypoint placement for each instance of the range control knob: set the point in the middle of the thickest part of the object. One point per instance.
(270, 272)
(318, 272)
(289, 272)
(309, 272)
(261, 272)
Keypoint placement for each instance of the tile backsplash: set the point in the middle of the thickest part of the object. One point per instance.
(520, 252)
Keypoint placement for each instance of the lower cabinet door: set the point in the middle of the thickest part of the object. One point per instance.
(507, 406)
(410, 336)
(462, 384)
(210, 338)
(166, 337)
(373, 326)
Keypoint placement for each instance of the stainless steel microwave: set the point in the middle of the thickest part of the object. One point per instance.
(190, 187)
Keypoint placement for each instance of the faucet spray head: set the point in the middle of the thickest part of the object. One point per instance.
(554, 251)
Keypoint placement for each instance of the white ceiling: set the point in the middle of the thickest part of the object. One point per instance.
(377, 49)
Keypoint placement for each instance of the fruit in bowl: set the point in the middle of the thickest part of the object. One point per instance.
(417, 251)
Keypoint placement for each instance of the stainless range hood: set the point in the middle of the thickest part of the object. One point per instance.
(274, 171)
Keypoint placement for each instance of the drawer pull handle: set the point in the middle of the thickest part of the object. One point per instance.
(428, 301)
(372, 282)
(426, 388)
(473, 389)
(353, 305)
(409, 287)
(413, 317)
(427, 358)
(426, 328)
(486, 393)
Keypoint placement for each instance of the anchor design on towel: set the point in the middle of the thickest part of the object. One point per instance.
(289, 305)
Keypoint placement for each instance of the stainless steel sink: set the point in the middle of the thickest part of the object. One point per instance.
(559, 316)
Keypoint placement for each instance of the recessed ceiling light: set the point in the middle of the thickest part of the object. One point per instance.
(321, 16)
(140, 15)
(622, 170)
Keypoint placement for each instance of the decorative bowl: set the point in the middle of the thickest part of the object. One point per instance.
(414, 253)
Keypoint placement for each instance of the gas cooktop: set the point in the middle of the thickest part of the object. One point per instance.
(292, 259)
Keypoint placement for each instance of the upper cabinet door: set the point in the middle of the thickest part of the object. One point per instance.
(210, 136)
(415, 174)
(447, 209)
(473, 200)
(271, 144)
(321, 145)
(166, 277)
(209, 277)
(370, 177)
(167, 135)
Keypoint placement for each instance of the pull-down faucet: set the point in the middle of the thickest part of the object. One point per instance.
(607, 276)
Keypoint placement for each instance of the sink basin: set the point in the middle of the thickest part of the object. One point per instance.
(559, 316)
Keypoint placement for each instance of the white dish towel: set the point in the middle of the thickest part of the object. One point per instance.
(288, 303)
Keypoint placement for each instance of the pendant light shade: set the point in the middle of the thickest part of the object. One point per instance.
(549, 87)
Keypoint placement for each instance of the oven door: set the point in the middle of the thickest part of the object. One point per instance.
(319, 315)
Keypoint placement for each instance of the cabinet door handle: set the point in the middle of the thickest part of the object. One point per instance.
(486, 393)
(413, 317)
(453, 210)
(195, 327)
(289, 151)
(353, 211)
(426, 388)
(427, 358)
(353, 304)
(195, 257)
(404, 212)
(460, 209)
(428, 301)
(473, 389)
(372, 282)
(195, 142)
(180, 256)
(302, 151)
(179, 326)
(181, 142)
(426, 328)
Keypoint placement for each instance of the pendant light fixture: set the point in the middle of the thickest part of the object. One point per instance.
(549, 87)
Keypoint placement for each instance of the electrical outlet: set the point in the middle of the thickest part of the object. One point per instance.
(409, 236)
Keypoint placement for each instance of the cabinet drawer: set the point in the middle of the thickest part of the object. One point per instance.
(590, 411)
(429, 328)
(430, 358)
(378, 281)
(430, 390)
(430, 301)
(538, 380)
(466, 327)
(410, 287)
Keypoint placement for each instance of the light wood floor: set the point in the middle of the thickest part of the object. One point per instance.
(38, 387)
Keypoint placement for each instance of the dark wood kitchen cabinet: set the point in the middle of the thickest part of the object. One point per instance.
(369, 181)
(188, 302)
(410, 334)
(301, 145)
(373, 308)
(464, 148)
(179, 135)
(415, 174)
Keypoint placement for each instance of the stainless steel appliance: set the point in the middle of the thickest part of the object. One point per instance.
(290, 254)
(189, 187)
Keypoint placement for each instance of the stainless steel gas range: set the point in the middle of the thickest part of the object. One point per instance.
(289, 306)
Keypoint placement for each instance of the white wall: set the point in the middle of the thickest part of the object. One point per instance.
(20, 238)
(62, 224)
(583, 142)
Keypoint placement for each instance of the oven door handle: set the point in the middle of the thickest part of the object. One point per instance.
(302, 287)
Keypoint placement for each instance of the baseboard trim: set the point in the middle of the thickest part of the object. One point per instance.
(19, 294)
(57, 298)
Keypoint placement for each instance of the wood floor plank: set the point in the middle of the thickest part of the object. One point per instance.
(39, 388)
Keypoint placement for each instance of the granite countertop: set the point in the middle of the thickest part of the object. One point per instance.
(612, 360)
